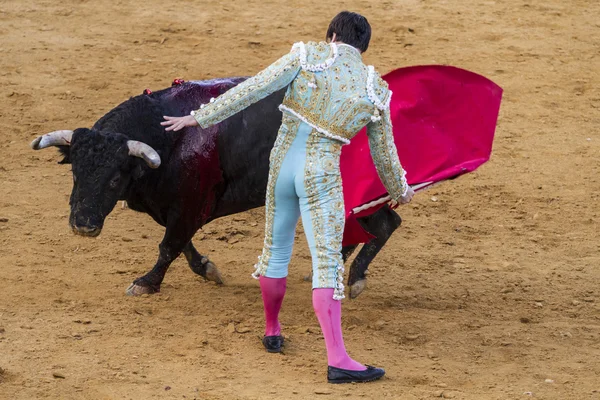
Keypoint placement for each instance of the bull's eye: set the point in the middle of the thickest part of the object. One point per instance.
(114, 182)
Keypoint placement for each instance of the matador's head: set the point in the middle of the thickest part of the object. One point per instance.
(350, 28)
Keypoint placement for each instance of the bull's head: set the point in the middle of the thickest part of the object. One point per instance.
(103, 165)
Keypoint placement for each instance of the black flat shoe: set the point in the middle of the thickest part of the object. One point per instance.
(273, 344)
(338, 375)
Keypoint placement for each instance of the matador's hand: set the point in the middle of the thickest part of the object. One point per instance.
(178, 123)
(403, 200)
(408, 196)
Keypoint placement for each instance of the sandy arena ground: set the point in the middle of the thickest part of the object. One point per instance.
(490, 292)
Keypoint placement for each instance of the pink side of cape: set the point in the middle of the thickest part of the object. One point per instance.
(444, 120)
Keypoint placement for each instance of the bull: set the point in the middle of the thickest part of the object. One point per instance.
(186, 179)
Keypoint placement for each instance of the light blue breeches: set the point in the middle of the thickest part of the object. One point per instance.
(305, 168)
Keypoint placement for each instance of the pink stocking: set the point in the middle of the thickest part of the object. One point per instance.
(329, 314)
(273, 290)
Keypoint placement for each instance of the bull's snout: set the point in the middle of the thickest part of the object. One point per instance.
(90, 231)
(85, 223)
(85, 227)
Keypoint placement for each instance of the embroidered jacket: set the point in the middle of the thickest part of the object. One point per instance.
(330, 89)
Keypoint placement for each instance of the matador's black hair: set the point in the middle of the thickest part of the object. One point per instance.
(350, 28)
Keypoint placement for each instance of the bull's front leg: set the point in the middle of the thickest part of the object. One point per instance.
(177, 236)
(381, 224)
(201, 265)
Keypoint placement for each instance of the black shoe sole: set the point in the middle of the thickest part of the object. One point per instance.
(273, 350)
(353, 380)
(350, 377)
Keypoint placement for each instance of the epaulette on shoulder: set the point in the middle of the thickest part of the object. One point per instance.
(301, 48)
(378, 89)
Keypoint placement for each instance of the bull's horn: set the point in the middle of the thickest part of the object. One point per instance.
(142, 150)
(56, 138)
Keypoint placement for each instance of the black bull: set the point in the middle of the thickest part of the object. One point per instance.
(186, 179)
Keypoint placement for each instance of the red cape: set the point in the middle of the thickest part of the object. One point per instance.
(444, 120)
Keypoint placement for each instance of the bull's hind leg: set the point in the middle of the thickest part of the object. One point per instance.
(201, 265)
(381, 224)
(347, 251)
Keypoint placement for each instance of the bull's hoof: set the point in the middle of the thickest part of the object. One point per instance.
(213, 274)
(138, 290)
(357, 288)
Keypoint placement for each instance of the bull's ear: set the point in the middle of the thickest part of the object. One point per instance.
(65, 151)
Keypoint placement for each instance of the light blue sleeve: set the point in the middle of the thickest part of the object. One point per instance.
(385, 156)
(277, 76)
